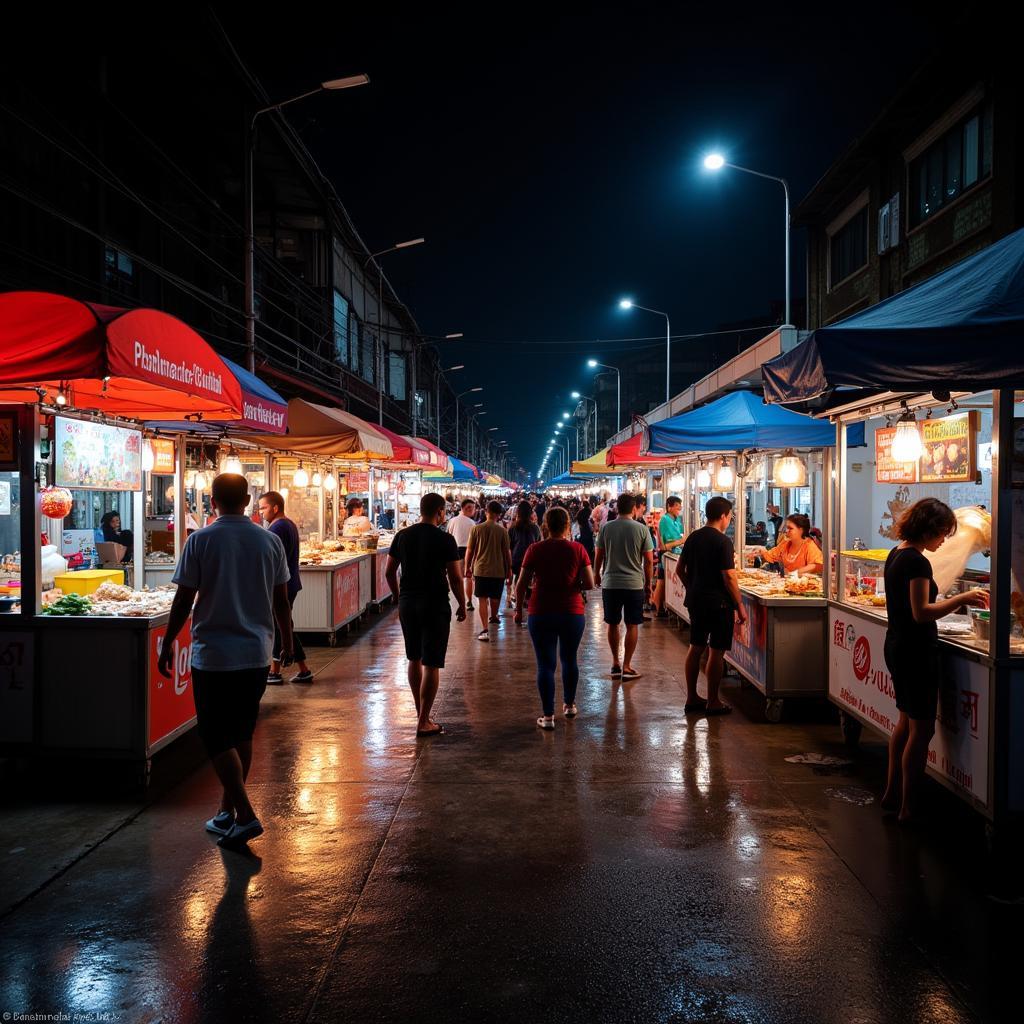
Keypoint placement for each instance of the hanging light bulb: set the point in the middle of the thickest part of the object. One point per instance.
(233, 464)
(317, 478)
(676, 482)
(790, 470)
(148, 458)
(382, 487)
(330, 482)
(61, 398)
(300, 478)
(703, 478)
(199, 481)
(284, 492)
(906, 445)
(725, 477)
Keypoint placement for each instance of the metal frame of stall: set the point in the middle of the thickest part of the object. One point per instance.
(990, 740)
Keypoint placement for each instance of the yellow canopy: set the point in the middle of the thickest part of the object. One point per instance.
(595, 464)
(320, 430)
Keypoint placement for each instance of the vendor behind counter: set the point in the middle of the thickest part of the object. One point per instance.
(796, 551)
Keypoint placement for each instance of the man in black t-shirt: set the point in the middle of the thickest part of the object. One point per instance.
(707, 569)
(430, 563)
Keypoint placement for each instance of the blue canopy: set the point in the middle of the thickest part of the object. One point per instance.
(737, 422)
(567, 480)
(961, 330)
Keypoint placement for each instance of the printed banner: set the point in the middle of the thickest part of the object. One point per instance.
(171, 702)
(346, 593)
(163, 456)
(383, 590)
(950, 449)
(94, 456)
(675, 592)
(859, 682)
(750, 641)
(887, 469)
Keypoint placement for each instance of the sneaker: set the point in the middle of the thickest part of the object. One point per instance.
(546, 723)
(494, 619)
(302, 677)
(470, 607)
(483, 636)
(569, 710)
(220, 824)
(275, 679)
(239, 835)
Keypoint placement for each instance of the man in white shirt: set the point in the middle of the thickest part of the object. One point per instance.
(236, 575)
(460, 528)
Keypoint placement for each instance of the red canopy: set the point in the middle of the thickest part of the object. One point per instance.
(135, 363)
(438, 458)
(406, 452)
(628, 454)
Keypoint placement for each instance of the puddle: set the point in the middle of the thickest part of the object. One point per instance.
(851, 795)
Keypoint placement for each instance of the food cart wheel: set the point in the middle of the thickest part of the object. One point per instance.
(773, 710)
(851, 729)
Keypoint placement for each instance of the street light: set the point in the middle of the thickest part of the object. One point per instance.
(468, 391)
(715, 162)
(593, 364)
(583, 399)
(380, 316)
(333, 85)
(630, 304)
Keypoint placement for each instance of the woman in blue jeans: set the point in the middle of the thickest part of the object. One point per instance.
(559, 571)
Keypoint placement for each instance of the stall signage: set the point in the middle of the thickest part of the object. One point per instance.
(675, 592)
(98, 457)
(270, 417)
(750, 641)
(859, 682)
(346, 593)
(887, 469)
(358, 483)
(950, 449)
(163, 456)
(171, 703)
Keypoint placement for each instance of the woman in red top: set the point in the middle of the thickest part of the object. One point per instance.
(560, 571)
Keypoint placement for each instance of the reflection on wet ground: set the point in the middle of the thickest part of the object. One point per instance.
(634, 864)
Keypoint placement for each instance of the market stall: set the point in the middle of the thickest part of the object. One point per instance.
(930, 375)
(78, 380)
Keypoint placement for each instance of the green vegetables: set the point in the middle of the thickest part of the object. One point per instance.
(69, 604)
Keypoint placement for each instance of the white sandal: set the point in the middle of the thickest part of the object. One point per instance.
(546, 723)
(569, 710)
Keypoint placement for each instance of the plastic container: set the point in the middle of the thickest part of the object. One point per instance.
(87, 581)
(981, 622)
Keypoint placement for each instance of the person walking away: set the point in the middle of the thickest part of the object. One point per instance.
(521, 534)
(431, 567)
(707, 569)
(586, 535)
(670, 538)
(271, 506)
(460, 528)
(560, 571)
(489, 561)
(912, 646)
(232, 579)
(623, 567)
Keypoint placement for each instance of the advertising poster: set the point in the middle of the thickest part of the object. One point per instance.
(750, 641)
(171, 703)
(346, 593)
(950, 449)
(859, 682)
(97, 457)
(675, 592)
(887, 469)
(383, 590)
(163, 456)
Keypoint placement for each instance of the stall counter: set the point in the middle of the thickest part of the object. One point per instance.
(381, 590)
(333, 595)
(780, 649)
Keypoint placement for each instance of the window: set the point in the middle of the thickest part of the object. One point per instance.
(366, 355)
(952, 164)
(341, 346)
(396, 375)
(119, 271)
(848, 248)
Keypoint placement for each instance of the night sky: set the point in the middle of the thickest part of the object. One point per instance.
(553, 164)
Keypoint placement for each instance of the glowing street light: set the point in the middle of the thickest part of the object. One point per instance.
(594, 364)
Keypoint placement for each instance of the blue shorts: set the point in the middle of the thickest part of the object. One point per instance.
(619, 603)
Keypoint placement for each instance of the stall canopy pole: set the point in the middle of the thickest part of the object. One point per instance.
(139, 533)
(32, 523)
(828, 519)
(1002, 520)
(179, 497)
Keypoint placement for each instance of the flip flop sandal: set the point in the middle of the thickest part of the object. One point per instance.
(626, 676)
(616, 671)
(725, 709)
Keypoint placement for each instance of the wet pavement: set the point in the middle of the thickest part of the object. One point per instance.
(633, 865)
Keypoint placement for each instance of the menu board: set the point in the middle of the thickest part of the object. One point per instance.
(358, 483)
(950, 449)
(97, 457)
(887, 469)
(163, 456)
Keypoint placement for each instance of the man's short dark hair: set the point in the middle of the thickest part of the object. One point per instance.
(273, 498)
(640, 501)
(673, 499)
(353, 503)
(494, 508)
(431, 504)
(625, 503)
(231, 493)
(466, 502)
(716, 508)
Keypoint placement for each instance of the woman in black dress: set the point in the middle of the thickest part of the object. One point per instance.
(912, 645)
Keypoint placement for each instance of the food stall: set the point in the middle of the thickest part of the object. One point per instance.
(337, 572)
(76, 384)
(739, 448)
(930, 374)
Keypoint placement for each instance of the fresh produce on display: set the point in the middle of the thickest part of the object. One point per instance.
(69, 604)
(111, 599)
(55, 502)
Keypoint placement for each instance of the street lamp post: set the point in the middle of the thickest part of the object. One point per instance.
(630, 304)
(715, 162)
(248, 199)
(437, 405)
(583, 399)
(593, 363)
(468, 391)
(417, 345)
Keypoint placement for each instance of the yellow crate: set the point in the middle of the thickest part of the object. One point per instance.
(87, 581)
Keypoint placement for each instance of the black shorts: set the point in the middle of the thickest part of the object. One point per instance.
(426, 623)
(619, 603)
(488, 586)
(227, 705)
(712, 627)
(661, 572)
(462, 554)
(916, 670)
